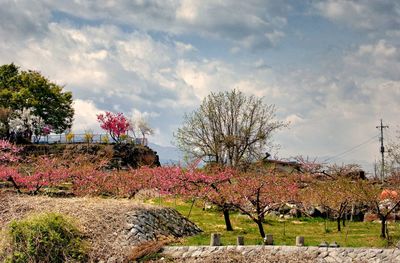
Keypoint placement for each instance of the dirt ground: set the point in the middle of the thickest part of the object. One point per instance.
(101, 220)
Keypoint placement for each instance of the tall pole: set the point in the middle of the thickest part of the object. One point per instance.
(382, 150)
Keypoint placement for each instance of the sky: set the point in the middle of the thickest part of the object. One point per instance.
(331, 68)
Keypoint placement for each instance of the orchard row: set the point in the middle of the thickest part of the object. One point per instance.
(254, 192)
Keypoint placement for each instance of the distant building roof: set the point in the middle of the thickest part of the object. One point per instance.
(283, 165)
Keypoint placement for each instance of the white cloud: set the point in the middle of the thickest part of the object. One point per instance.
(380, 49)
(380, 60)
(365, 15)
(85, 116)
(151, 58)
(249, 24)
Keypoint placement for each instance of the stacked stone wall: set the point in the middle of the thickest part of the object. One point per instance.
(284, 253)
(149, 224)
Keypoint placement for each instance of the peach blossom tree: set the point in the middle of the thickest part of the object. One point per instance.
(116, 124)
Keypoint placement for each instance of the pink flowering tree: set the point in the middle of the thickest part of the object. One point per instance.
(384, 200)
(257, 192)
(116, 124)
(208, 184)
(9, 156)
(43, 172)
(31, 175)
(215, 190)
(9, 153)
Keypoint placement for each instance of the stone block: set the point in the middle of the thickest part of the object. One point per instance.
(215, 239)
(299, 241)
(269, 240)
(240, 241)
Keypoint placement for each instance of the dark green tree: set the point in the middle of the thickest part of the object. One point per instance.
(30, 89)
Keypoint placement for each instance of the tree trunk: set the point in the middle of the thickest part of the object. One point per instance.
(11, 179)
(260, 228)
(227, 219)
(344, 220)
(383, 227)
(338, 223)
(352, 212)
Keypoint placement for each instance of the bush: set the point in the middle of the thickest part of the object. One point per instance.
(47, 237)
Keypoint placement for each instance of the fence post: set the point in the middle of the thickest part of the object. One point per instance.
(269, 239)
(215, 239)
(299, 241)
(240, 241)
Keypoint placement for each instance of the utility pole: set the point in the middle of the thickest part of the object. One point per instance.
(382, 150)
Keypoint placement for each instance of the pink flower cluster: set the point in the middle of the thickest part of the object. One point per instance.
(9, 152)
(114, 123)
(46, 129)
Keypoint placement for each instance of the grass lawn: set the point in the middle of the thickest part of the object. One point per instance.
(355, 234)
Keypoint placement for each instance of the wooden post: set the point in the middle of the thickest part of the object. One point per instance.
(268, 240)
(215, 239)
(299, 241)
(240, 241)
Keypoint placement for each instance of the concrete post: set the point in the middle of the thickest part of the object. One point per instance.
(268, 240)
(215, 239)
(299, 241)
(240, 241)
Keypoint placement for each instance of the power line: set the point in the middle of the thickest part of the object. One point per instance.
(337, 156)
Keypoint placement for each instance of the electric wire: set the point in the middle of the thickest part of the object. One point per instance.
(338, 156)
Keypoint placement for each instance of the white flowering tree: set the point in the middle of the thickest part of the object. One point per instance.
(26, 124)
(144, 129)
(139, 125)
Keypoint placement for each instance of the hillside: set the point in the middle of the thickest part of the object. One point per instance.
(125, 155)
(112, 227)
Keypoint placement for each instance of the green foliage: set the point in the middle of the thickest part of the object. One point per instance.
(29, 89)
(47, 237)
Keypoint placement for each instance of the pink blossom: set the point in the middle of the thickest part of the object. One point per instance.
(114, 123)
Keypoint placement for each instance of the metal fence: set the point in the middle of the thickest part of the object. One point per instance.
(86, 138)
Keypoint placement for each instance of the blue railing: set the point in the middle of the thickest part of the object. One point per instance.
(84, 138)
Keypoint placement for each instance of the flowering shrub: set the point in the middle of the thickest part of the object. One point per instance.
(88, 136)
(32, 177)
(90, 180)
(69, 137)
(26, 123)
(114, 123)
(9, 152)
(105, 139)
(46, 129)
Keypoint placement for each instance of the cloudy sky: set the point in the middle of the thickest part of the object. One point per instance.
(332, 68)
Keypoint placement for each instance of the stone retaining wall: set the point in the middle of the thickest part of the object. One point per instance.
(148, 224)
(310, 254)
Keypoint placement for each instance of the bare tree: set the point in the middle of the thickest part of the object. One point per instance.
(228, 128)
(144, 128)
(392, 164)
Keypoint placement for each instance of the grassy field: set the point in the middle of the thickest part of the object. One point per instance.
(355, 234)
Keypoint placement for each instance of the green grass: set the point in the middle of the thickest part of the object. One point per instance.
(48, 237)
(355, 234)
